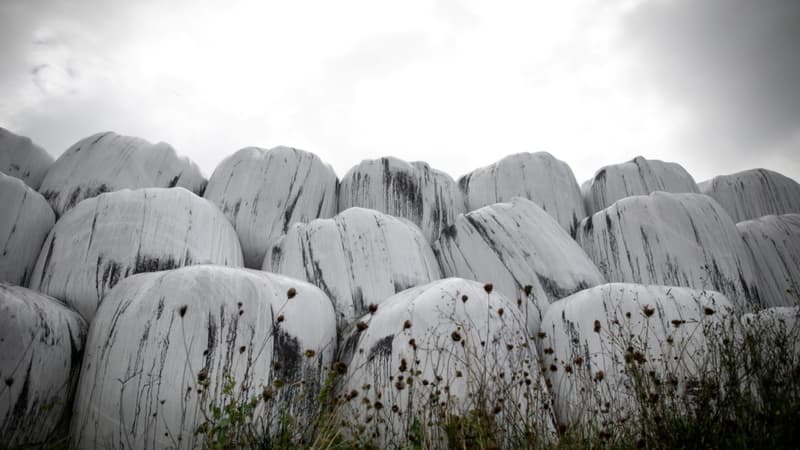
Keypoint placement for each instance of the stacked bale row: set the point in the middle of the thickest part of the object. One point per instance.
(155, 277)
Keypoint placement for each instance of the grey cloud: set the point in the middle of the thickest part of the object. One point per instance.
(456, 14)
(54, 47)
(371, 58)
(734, 65)
(16, 41)
(66, 35)
(381, 54)
(58, 122)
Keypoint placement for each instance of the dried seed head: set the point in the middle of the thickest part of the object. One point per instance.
(340, 367)
(628, 357)
(500, 312)
(267, 393)
(708, 311)
(488, 288)
(599, 375)
(455, 336)
(528, 289)
(280, 318)
(291, 292)
(596, 326)
(242, 349)
(648, 311)
(406, 324)
(182, 310)
(464, 298)
(310, 353)
(202, 375)
(372, 308)
(361, 326)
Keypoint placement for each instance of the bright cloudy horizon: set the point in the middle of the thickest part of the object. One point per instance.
(712, 85)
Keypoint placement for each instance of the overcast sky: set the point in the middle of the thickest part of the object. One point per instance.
(711, 84)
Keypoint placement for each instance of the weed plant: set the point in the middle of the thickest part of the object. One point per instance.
(743, 393)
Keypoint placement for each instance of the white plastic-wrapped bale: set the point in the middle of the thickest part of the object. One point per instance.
(41, 341)
(263, 192)
(427, 197)
(539, 177)
(359, 258)
(452, 342)
(774, 246)
(673, 240)
(597, 342)
(754, 193)
(166, 347)
(109, 237)
(21, 158)
(586, 189)
(522, 251)
(787, 318)
(107, 162)
(639, 176)
(25, 220)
